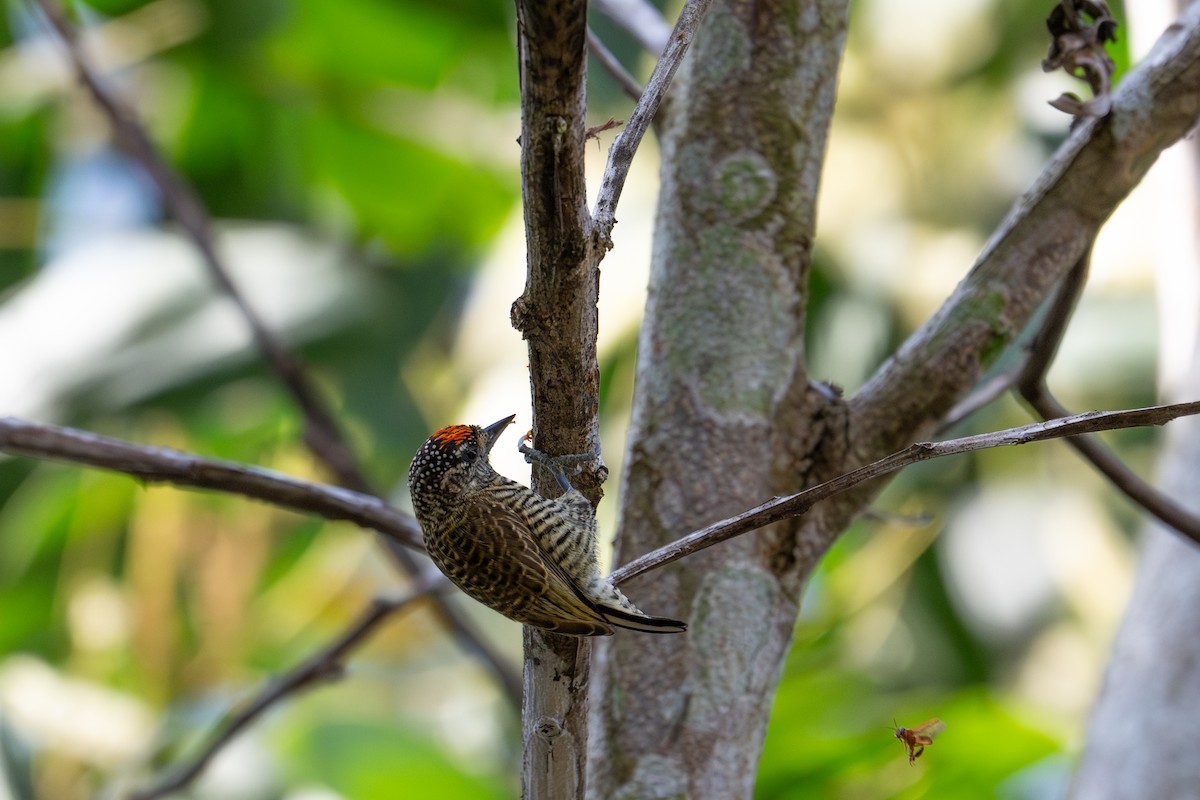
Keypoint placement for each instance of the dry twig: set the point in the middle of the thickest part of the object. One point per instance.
(328, 664)
(594, 131)
(620, 155)
(613, 66)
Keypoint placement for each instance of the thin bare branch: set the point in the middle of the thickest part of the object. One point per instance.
(620, 155)
(1121, 476)
(613, 66)
(794, 505)
(1044, 346)
(328, 664)
(322, 435)
(1033, 387)
(983, 395)
(163, 465)
(640, 20)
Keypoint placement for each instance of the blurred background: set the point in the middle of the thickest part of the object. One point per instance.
(360, 160)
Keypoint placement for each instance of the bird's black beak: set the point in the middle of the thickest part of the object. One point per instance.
(492, 432)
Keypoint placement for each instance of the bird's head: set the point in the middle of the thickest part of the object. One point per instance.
(454, 460)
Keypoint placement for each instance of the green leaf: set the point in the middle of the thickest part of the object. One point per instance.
(411, 195)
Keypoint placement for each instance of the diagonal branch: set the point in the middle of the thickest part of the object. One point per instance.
(797, 504)
(639, 19)
(1044, 346)
(1032, 386)
(620, 155)
(163, 465)
(1028, 378)
(328, 664)
(1038, 354)
(1036, 245)
(613, 66)
(322, 434)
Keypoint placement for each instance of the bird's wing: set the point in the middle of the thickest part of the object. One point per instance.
(510, 564)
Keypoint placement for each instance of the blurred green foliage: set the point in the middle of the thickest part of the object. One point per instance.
(388, 129)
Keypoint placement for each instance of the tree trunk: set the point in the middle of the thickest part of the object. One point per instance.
(724, 416)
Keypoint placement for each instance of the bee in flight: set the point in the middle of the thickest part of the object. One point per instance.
(918, 738)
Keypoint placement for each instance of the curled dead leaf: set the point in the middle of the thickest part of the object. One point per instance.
(1079, 31)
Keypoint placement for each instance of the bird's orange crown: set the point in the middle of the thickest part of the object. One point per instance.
(452, 435)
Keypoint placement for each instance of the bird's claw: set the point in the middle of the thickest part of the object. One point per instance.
(555, 464)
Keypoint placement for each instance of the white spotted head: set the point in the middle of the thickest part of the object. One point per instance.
(452, 461)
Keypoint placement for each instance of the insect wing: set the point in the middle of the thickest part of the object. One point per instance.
(924, 733)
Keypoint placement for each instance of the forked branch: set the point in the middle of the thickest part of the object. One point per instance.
(1032, 385)
(1028, 379)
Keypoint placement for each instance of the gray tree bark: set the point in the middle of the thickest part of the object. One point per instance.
(724, 414)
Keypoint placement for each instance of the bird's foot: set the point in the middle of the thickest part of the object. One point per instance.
(557, 465)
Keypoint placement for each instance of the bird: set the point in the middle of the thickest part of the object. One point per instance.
(531, 558)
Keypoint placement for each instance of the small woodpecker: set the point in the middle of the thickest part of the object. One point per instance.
(531, 558)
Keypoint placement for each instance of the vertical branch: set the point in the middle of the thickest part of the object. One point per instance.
(557, 317)
(557, 312)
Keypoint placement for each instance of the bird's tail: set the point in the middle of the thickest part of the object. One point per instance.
(617, 610)
(621, 618)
